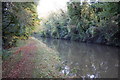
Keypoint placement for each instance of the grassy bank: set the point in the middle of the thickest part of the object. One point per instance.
(32, 59)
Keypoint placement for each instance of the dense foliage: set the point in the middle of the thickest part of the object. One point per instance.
(55, 25)
(95, 22)
(19, 20)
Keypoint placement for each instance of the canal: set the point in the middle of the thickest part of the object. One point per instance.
(85, 60)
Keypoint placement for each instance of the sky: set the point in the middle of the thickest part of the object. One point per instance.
(46, 6)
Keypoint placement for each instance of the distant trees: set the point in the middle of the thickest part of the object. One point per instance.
(55, 25)
(96, 22)
(19, 20)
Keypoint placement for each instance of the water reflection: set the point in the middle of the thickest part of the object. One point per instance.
(85, 60)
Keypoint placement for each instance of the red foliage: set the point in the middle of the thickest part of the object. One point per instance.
(25, 65)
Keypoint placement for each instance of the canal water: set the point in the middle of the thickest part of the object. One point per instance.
(85, 60)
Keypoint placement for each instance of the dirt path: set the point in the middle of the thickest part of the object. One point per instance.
(31, 60)
(20, 64)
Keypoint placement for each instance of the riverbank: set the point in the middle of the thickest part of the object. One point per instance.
(84, 59)
(31, 59)
(90, 40)
(87, 23)
(55, 58)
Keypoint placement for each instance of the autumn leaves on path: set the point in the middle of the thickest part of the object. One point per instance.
(31, 60)
(20, 63)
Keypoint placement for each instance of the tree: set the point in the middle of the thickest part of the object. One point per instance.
(19, 21)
